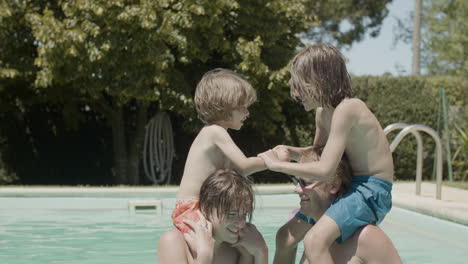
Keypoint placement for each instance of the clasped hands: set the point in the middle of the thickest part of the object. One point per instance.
(273, 156)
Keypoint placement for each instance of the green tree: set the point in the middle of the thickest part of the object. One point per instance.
(345, 22)
(444, 33)
(446, 37)
(416, 43)
(120, 57)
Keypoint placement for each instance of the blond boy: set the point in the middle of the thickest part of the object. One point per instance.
(222, 99)
(319, 79)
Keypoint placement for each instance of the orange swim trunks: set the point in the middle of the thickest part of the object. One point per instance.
(185, 209)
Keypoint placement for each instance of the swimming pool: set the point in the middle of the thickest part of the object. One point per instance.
(100, 229)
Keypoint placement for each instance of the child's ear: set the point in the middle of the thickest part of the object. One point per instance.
(335, 188)
(228, 118)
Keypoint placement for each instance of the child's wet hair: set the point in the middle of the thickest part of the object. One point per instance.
(343, 172)
(219, 93)
(226, 190)
(319, 71)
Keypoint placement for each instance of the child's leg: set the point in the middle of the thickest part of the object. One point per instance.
(318, 240)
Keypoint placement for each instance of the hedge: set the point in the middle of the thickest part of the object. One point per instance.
(66, 155)
(411, 100)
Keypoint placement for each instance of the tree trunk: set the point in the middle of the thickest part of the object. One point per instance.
(416, 65)
(136, 146)
(120, 148)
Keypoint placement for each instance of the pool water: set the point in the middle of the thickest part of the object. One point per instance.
(101, 230)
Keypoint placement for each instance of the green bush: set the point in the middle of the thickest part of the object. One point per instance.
(5, 176)
(411, 100)
(274, 119)
(456, 89)
(460, 157)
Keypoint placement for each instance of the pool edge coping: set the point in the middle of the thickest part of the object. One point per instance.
(402, 200)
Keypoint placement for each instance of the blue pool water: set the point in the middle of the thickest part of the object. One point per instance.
(94, 230)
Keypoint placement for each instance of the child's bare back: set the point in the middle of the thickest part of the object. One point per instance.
(366, 145)
(204, 158)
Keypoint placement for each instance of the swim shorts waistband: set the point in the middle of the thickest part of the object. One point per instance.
(373, 179)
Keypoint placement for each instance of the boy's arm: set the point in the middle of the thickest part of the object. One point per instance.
(319, 140)
(246, 166)
(294, 152)
(251, 243)
(342, 122)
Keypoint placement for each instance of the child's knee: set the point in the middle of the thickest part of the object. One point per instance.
(315, 240)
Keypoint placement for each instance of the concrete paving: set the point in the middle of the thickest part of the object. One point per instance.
(453, 206)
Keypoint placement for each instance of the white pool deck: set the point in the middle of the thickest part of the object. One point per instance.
(453, 206)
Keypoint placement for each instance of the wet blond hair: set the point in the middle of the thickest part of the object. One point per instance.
(343, 172)
(226, 190)
(220, 92)
(319, 71)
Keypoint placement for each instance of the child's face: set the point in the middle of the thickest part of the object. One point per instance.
(315, 195)
(238, 117)
(228, 228)
(309, 103)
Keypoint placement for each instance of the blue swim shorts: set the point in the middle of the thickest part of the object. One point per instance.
(366, 201)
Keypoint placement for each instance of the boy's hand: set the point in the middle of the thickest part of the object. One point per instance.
(251, 240)
(282, 152)
(270, 159)
(200, 238)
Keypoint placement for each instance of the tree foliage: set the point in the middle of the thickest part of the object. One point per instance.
(122, 59)
(346, 22)
(444, 37)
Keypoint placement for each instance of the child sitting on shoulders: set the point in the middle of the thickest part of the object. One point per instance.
(344, 125)
(222, 99)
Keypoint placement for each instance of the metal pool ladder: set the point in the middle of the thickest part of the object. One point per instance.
(415, 129)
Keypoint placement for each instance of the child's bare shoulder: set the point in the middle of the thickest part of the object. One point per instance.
(351, 102)
(351, 106)
(214, 132)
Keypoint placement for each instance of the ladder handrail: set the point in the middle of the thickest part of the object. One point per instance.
(416, 128)
(419, 157)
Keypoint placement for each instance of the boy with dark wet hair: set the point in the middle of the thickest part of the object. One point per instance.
(223, 234)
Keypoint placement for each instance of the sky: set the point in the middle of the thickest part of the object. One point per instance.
(376, 56)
